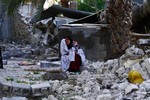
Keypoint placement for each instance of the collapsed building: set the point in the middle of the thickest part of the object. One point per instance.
(91, 30)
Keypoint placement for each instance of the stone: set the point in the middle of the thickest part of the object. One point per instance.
(111, 62)
(140, 95)
(145, 85)
(55, 84)
(66, 87)
(122, 86)
(117, 95)
(65, 92)
(138, 68)
(44, 99)
(106, 91)
(130, 88)
(5, 62)
(77, 98)
(106, 82)
(51, 97)
(126, 99)
(84, 77)
(132, 51)
(55, 75)
(55, 63)
(59, 90)
(86, 90)
(21, 89)
(148, 98)
(97, 64)
(120, 71)
(96, 89)
(104, 97)
(45, 64)
(40, 89)
(14, 98)
(77, 88)
(6, 87)
(52, 59)
(147, 64)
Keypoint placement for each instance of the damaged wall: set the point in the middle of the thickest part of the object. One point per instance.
(93, 39)
(5, 24)
(20, 30)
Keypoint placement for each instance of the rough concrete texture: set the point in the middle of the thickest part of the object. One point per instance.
(94, 39)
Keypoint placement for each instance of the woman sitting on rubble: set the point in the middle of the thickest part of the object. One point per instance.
(72, 56)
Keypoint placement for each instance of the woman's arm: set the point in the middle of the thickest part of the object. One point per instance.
(63, 47)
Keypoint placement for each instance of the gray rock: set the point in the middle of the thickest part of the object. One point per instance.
(122, 86)
(145, 85)
(104, 97)
(51, 97)
(14, 98)
(40, 89)
(130, 88)
(55, 76)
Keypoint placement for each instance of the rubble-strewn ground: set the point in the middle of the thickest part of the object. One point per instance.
(109, 81)
(106, 80)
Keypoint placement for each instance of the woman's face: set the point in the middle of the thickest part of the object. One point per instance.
(67, 41)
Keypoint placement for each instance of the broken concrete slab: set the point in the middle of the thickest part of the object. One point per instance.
(52, 58)
(44, 64)
(6, 87)
(21, 89)
(130, 88)
(40, 89)
(55, 63)
(14, 98)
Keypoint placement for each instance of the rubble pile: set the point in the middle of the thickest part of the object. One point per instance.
(30, 51)
(109, 80)
(102, 81)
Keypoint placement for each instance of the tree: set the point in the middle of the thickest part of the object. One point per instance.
(120, 19)
(90, 5)
(124, 18)
(141, 18)
(12, 5)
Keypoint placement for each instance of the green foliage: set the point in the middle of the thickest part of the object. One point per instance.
(39, 9)
(11, 5)
(90, 5)
(9, 78)
(36, 72)
(19, 81)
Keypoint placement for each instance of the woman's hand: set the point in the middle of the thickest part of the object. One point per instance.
(75, 43)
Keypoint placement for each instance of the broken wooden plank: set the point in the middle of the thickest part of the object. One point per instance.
(138, 35)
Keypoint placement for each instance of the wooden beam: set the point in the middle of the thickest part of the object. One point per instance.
(138, 35)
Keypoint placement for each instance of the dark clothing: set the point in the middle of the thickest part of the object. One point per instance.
(75, 65)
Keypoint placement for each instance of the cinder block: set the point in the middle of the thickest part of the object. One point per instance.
(6, 87)
(21, 89)
(40, 89)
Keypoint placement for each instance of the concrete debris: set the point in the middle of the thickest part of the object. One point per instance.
(104, 97)
(51, 97)
(130, 88)
(107, 80)
(14, 98)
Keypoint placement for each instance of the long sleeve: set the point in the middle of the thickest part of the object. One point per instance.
(63, 47)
